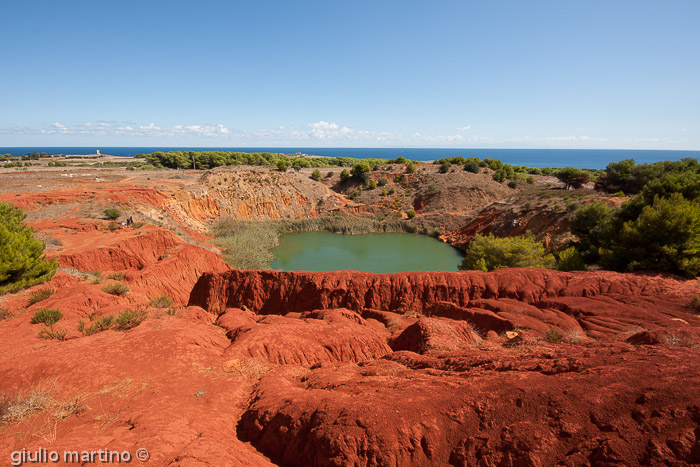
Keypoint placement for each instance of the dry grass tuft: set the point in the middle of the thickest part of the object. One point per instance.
(24, 406)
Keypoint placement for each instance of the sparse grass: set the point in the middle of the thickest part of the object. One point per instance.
(24, 406)
(553, 336)
(116, 288)
(117, 276)
(47, 316)
(129, 319)
(41, 294)
(4, 313)
(162, 301)
(96, 277)
(51, 333)
(574, 336)
(98, 325)
(171, 311)
(73, 406)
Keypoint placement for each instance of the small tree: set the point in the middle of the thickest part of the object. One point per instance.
(572, 177)
(410, 168)
(22, 260)
(359, 169)
(445, 167)
(316, 175)
(112, 214)
(282, 166)
(344, 175)
(486, 253)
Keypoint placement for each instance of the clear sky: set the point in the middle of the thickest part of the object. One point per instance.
(375, 73)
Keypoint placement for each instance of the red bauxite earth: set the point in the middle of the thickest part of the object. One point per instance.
(338, 368)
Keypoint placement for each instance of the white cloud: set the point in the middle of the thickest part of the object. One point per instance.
(464, 128)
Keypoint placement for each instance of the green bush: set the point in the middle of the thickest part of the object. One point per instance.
(530, 180)
(316, 175)
(129, 319)
(117, 276)
(116, 288)
(39, 295)
(570, 260)
(371, 185)
(162, 301)
(472, 166)
(112, 214)
(513, 184)
(282, 166)
(445, 167)
(22, 260)
(411, 213)
(486, 253)
(359, 169)
(382, 181)
(99, 325)
(344, 175)
(410, 168)
(49, 332)
(47, 316)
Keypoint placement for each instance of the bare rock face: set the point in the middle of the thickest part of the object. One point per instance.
(597, 303)
(435, 335)
(599, 407)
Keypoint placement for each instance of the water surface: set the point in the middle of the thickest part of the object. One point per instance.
(380, 253)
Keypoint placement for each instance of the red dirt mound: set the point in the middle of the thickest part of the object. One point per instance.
(435, 335)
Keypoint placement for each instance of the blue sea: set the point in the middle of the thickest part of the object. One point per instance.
(582, 158)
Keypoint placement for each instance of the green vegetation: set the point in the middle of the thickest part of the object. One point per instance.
(573, 178)
(47, 316)
(117, 276)
(695, 304)
(22, 262)
(316, 175)
(247, 244)
(49, 332)
(41, 294)
(98, 325)
(445, 167)
(570, 260)
(487, 252)
(116, 288)
(112, 214)
(411, 213)
(162, 301)
(211, 159)
(658, 229)
(129, 319)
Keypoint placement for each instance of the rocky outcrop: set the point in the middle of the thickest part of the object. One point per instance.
(599, 303)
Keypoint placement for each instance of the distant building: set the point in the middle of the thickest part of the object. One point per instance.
(98, 152)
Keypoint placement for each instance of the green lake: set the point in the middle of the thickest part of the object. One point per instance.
(384, 252)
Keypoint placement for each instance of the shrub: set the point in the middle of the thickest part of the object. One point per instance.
(129, 319)
(282, 166)
(570, 260)
(117, 276)
(344, 175)
(162, 301)
(116, 288)
(371, 185)
(112, 214)
(114, 226)
(472, 166)
(382, 181)
(411, 213)
(410, 168)
(4, 313)
(316, 175)
(530, 180)
(445, 167)
(49, 332)
(329, 175)
(99, 325)
(359, 169)
(22, 260)
(39, 295)
(513, 184)
(572, 177)
(554, 336)
(47, 316)
(392, 190)
(487, 253)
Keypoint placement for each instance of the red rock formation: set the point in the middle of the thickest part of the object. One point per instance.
(600, 303)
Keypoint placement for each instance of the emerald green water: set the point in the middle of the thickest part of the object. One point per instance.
(385, 252)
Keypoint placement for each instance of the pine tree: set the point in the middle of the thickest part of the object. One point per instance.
(22, 260)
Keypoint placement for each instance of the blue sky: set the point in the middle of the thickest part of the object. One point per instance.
(379, 73)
